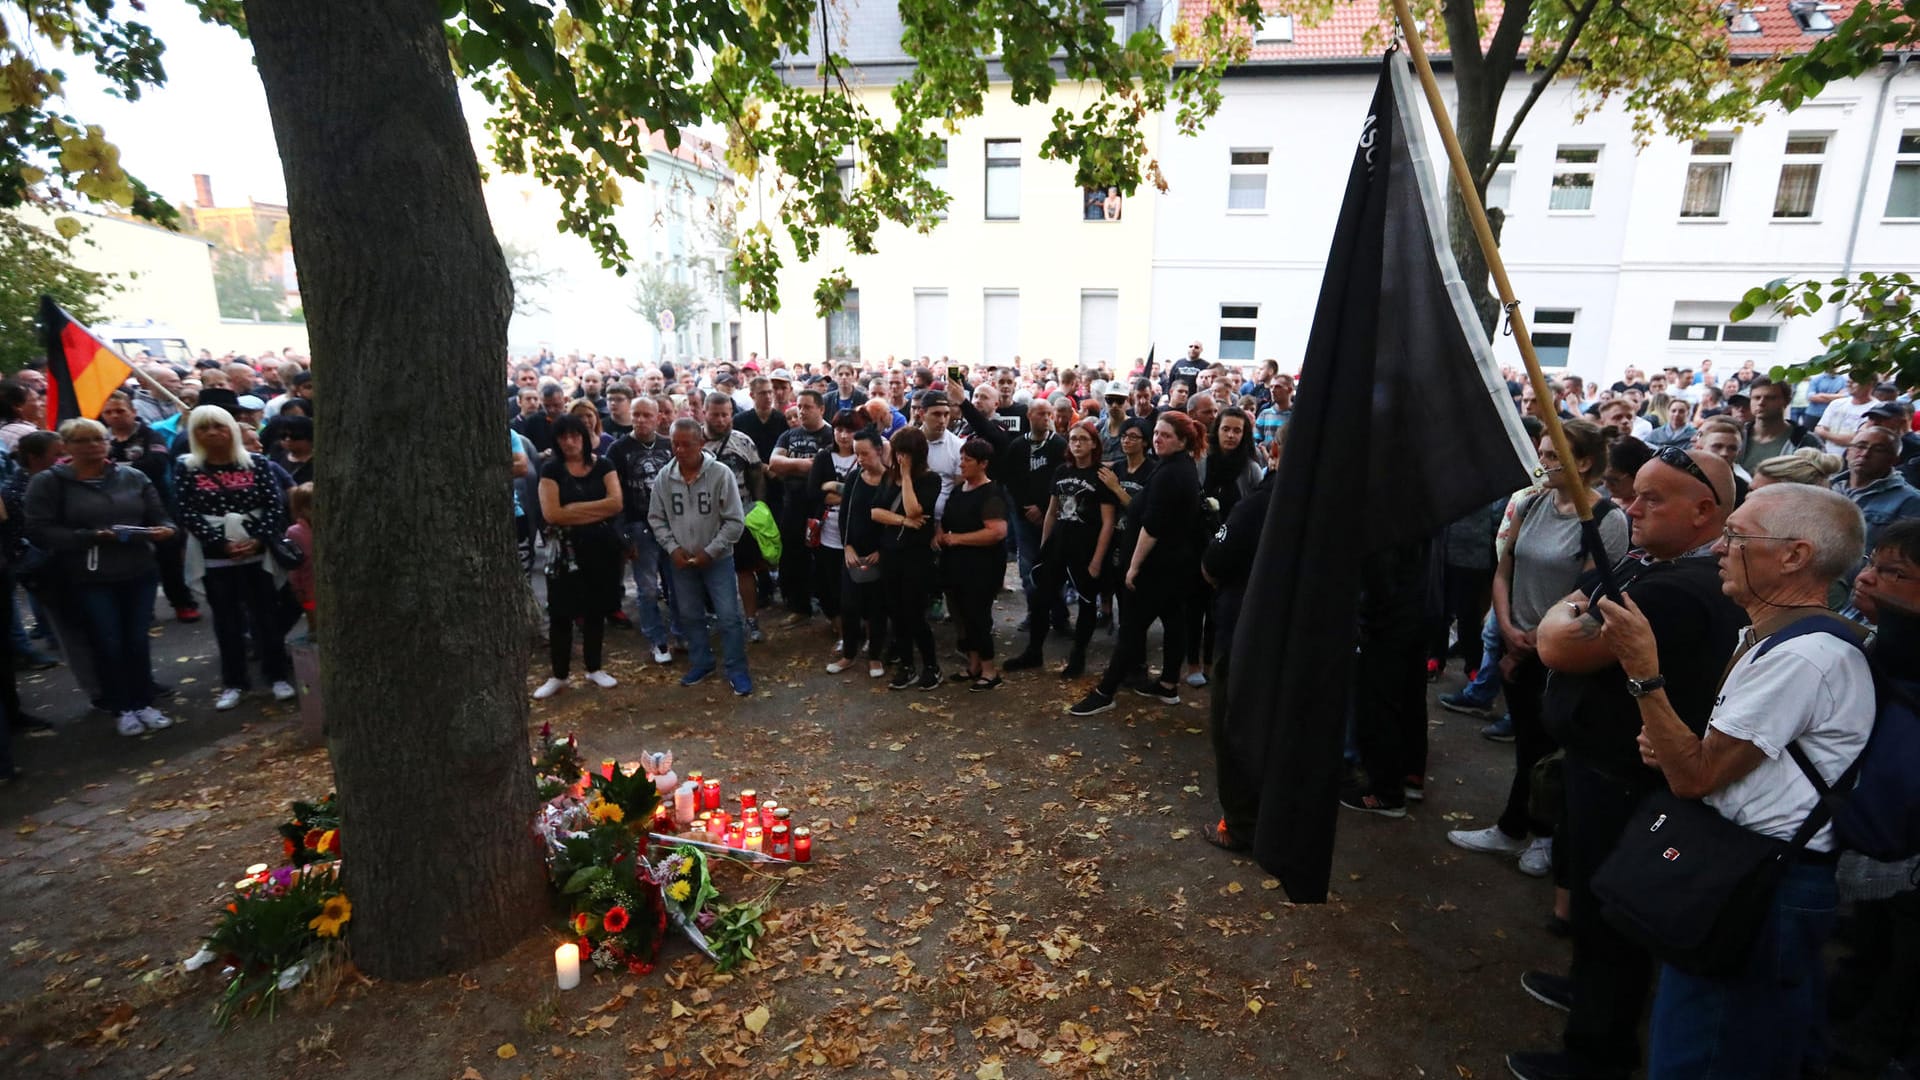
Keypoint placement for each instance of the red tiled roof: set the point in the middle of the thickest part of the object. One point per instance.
(1342, 35)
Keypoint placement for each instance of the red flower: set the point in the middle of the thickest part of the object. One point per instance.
(287, 847)
(615, 921)
(313, 839)
(582, 923)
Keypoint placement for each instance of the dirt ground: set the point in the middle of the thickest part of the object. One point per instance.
(1000, 890)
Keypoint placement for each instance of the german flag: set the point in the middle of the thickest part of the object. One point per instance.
(84, 371)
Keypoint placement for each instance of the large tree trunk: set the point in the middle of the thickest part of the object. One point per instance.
(1474, 125)
(423, 656)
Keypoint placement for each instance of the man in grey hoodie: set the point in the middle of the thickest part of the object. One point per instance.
(696, 516)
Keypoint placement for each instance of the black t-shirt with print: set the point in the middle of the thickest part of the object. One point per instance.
(798, 442)
(1081, 495)
(638, 464)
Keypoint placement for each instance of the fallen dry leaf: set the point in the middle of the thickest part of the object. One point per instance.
(756, 1019)
(506, 1051)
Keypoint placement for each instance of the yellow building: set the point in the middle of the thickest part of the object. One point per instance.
(1026, 263)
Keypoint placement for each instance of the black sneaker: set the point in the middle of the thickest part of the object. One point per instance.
(929, 678)
(1165, 695)
(1093, 704)
(1368, 803)
(903, 679)
(1549, 989)
(1540, 1065)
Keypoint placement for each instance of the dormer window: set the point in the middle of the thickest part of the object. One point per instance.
(1273, 30)
(1813, 16)
(1741, 19)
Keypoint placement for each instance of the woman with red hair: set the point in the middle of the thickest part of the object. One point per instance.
(1160, 524)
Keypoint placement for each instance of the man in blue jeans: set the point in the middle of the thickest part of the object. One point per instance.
(696, 518)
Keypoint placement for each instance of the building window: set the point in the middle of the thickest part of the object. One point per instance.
(1575, 168)
(1500, 188)
(1693, 332)
(843, 328)
(937, 173)
(1812, 15)
(1247, 181)
(1100, 204)
(1239, 327)
(843, 174)
(1754, 333)
(1707, 177)
(930, 322)
(1740, 20)
(1273, 29)
(1903, 198)
(1117, 21)
(1800, 175)
(1099, 327)
(1003, 179)
(1553, 335)
(999, 326)
(1731, 333)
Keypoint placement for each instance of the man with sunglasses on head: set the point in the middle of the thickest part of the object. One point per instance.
(1680, 506)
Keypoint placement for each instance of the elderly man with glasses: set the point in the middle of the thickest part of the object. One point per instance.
(1871, 483)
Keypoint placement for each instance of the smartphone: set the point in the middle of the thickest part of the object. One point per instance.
(953, 376)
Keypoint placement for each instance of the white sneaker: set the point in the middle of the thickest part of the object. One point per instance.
(154, 719)
(284, 691)
(549, 688)
(662, 656)
(838, 666)
(602, 680)
(1537, 860)
(876, 671)
(228, 699)
(130, 724)
(1490, 840)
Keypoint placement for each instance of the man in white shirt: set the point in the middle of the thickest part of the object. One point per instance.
(943, 446)
(1844, 416)
(1781, 552)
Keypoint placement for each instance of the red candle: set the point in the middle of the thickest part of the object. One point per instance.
(696, 776)
(766, 813)
(663, 818)
(710, 794)
(749, 799)
(717, 824)
(802, 844)
(778, 843)
(606, 768)
(736, 835)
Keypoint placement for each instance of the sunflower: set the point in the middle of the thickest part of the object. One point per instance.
(582, 923)
(680, 890)
(333, 915)
(602, 811)
(615, 921)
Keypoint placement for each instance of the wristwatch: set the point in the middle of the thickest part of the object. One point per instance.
(1640, 688)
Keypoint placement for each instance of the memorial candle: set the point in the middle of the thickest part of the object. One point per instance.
(749, 799)
(802, 844)
(710, 794)
(718, 826)
(606, 768)
(566, 966)
(767, 807)
(663, 818)
(779, 845)
(736, 835)
(756, 839)
(683, 805)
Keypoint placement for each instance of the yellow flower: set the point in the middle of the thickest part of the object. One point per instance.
(333, 915)
(602, 811)
(679, 891)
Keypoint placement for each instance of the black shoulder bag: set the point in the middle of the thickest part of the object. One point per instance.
(1694, 888)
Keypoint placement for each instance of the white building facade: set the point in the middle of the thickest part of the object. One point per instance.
(1619, 254)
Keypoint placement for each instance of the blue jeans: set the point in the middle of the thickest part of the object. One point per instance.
(1486, 681)
(646, 582)
(117, 615)
(693, 589)
(1765, 1022)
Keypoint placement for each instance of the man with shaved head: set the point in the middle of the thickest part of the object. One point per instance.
(1680, 506)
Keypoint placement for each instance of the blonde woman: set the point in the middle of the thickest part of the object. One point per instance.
(234, 509)
(101, 520)
(1807, 465)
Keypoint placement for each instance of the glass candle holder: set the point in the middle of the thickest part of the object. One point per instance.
(802, 844)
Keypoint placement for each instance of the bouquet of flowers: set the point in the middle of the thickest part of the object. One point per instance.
(314, 833)
(556, 763)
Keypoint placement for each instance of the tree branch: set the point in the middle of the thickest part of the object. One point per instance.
(1547, 75)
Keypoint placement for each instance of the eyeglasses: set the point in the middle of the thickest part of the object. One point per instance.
(1683, 461)
(1727, 534)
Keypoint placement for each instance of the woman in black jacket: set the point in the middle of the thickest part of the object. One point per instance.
(132, 442)
(1228, 472)
(863, 605)
(100, 520)
(905, 513)
(1163, 553)
(831, 468)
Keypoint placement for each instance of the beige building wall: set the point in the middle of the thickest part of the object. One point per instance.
(1076, 281)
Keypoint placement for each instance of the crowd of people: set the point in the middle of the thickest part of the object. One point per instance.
(194, 485)
(890, 508)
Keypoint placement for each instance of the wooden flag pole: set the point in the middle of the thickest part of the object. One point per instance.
(148, 382)
(1470, 194)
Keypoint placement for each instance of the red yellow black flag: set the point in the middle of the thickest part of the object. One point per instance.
(84, 371)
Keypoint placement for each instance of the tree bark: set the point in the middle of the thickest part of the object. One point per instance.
(424, 657)
(1479, 80)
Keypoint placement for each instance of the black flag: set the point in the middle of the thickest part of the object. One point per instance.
(1402, 424)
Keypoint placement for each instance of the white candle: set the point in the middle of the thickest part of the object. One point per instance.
(566, 965)
(683, 802)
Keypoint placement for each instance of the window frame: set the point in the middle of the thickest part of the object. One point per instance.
(1718, 161)
(1553, 333)
(1274, 28)
(937, 176)
(1503, 170)
(1005, 165)
(1563, 167)
(1262, 170)
(1789, 159)
(1237, 322)
(1908, 160)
